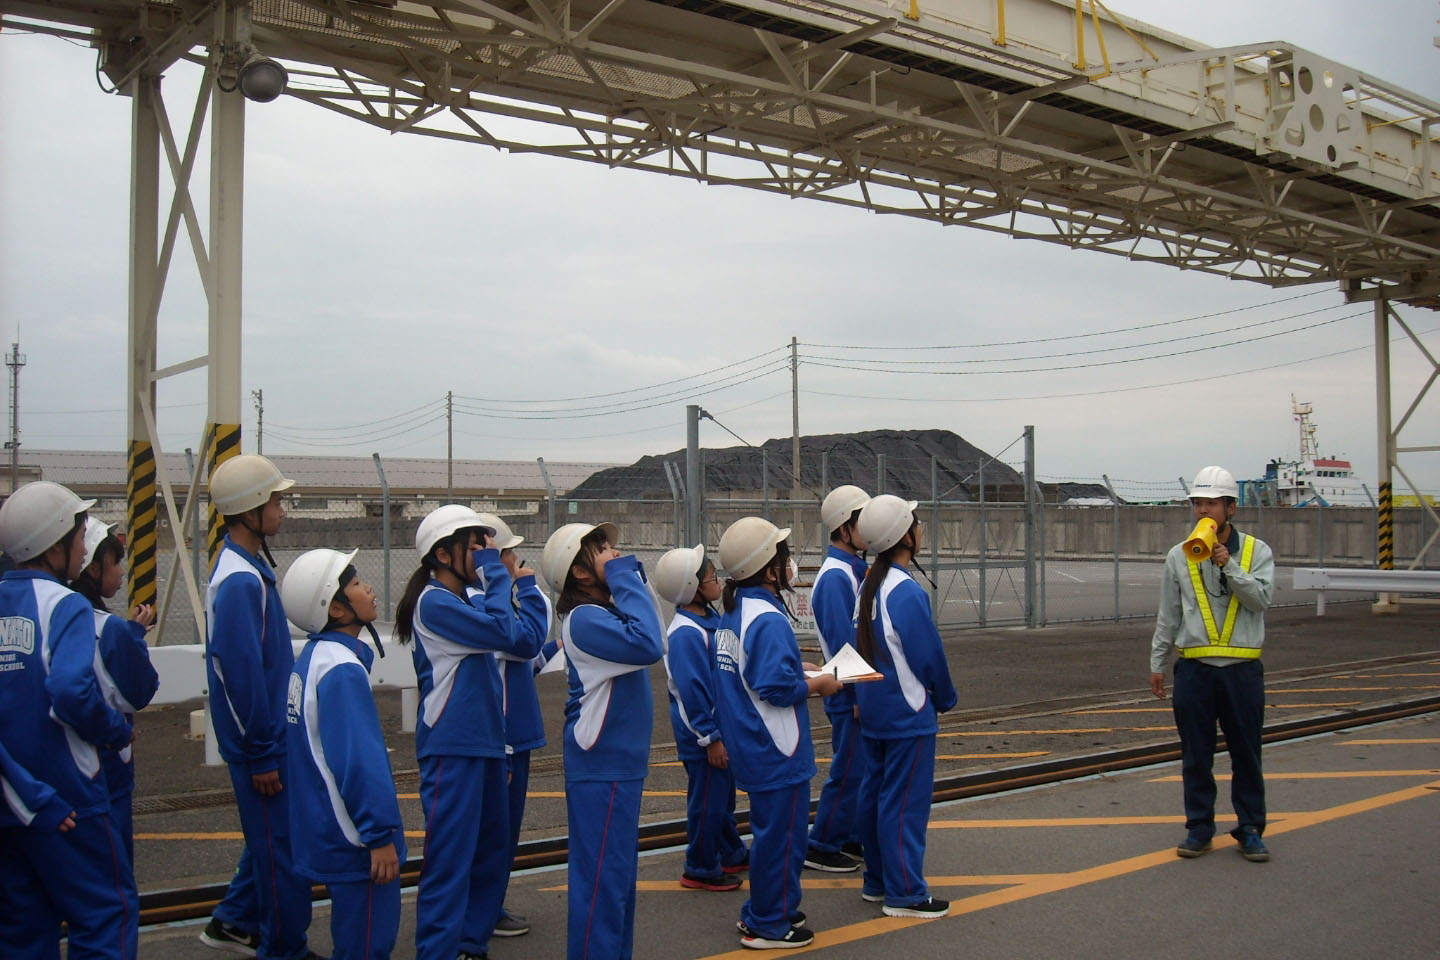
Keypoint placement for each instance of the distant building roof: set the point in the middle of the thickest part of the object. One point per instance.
(103, 471)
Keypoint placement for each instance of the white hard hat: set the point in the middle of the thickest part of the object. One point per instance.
(1214, 482)
(505, 538)
(95, 533)
(840, 504)
(310, 584)
(444, 521)
(36, 517)
(677, 575)
(245, 482)
(884, 520)
(564, 546)
(748, 544)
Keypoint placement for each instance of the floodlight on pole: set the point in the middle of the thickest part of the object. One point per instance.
(261, 79)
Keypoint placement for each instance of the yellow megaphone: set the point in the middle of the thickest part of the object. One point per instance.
(1201, 541)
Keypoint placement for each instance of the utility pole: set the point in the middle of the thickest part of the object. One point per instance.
(794, 420)
(14, 361)
(259, 397)
(450, 444)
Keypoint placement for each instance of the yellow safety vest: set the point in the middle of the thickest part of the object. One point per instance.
(1219, 645)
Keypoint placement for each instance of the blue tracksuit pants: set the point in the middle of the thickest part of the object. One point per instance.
(1235, 696)
(604, 860)
(81, 877)
(364, 919)
(467, 848)
(266, 893)
(894, 816)
(779, 820)
(835, 823)
(519, 784)
(710, 821)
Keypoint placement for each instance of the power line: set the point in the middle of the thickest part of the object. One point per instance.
(297, 428)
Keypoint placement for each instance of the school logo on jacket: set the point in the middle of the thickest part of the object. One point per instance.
(727, 650)
(18, 634)
(292, 702)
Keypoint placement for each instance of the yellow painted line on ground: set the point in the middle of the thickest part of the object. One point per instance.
(1045, 822)
(1382, 676)
(1022, 733)
(1321, 775)
(560, 794)
(1346, 743)
(847, 883)
(1170, 727)
(1271, 706)
(1055, 883)
(1333, 689)
(991, 754)
(218, 835)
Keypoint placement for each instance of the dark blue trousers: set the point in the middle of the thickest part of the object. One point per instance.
(364, 919)
(835, 823)
(778, 823)
(82, 877)
(604, 861)
(266, 894)
(467, 855)
(895, 815)
(1235, 696)
(710, 821)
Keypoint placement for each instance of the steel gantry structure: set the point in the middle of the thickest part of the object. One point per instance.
(1043, 119)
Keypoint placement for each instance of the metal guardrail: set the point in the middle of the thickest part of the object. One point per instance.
(1364, 581)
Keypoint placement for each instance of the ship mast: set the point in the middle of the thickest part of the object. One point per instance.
(1309, 448)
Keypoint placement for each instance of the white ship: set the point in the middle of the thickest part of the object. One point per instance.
(1314, 480)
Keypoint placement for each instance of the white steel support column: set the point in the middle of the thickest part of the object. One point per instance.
(227, 194)
(1385, 456)
(145, 285)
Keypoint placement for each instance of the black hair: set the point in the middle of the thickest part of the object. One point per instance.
(865, 643)
(575, 594)
(781, 564)
(852, 521)
(65, 541)
(410, 598)
(700, 576)
(87, 584)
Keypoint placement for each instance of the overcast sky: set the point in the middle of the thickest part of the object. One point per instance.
(382, 271)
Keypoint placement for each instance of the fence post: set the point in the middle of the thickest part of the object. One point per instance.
(825, 476)
(765, 480)
(934, 540)
(694, 533)
(1376, 507)
(549, 498)
(1115, 536)
(1030, 526)
(675, 495)
(879, 474)
(384, 527)
(194, 529)
(984, 547)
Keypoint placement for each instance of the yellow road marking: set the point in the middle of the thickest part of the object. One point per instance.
(991, 754)
(1382, 676)
(1322, 775)
(560, 794)
(1270, 706)
(1168, 727)
(848, 883)
(1346, 743)
(1022, 733)
(1054, 883)
(1334, 689)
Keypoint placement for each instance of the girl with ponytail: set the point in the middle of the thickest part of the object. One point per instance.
(895, 632)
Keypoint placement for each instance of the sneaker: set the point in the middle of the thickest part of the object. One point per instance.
(927, 909)
(853, 850)
(794, 937)
(1194, 845)
(723, 885)
(869, 897)
(1252, 848)
(222, 936)
(829, 862)
(511, 924)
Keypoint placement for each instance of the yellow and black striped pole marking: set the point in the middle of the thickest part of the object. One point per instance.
(140, 522)
(224, 444)
(1385, 525)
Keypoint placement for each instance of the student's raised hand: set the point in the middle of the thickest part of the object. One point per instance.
(384, 864)
(267, 784)
(144, 615)
(716, 755)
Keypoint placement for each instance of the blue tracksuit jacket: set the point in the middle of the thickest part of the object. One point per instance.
(342, 794)
(760, 693)
(608, 649)
(917, 678)
(54, 721)
(248, 658)
(690, 669)
(455, 643)
(128, 682)
(28, 802)
(524, 726)
(832, 599)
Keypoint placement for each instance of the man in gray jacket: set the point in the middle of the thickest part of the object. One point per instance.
(1213, 613)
